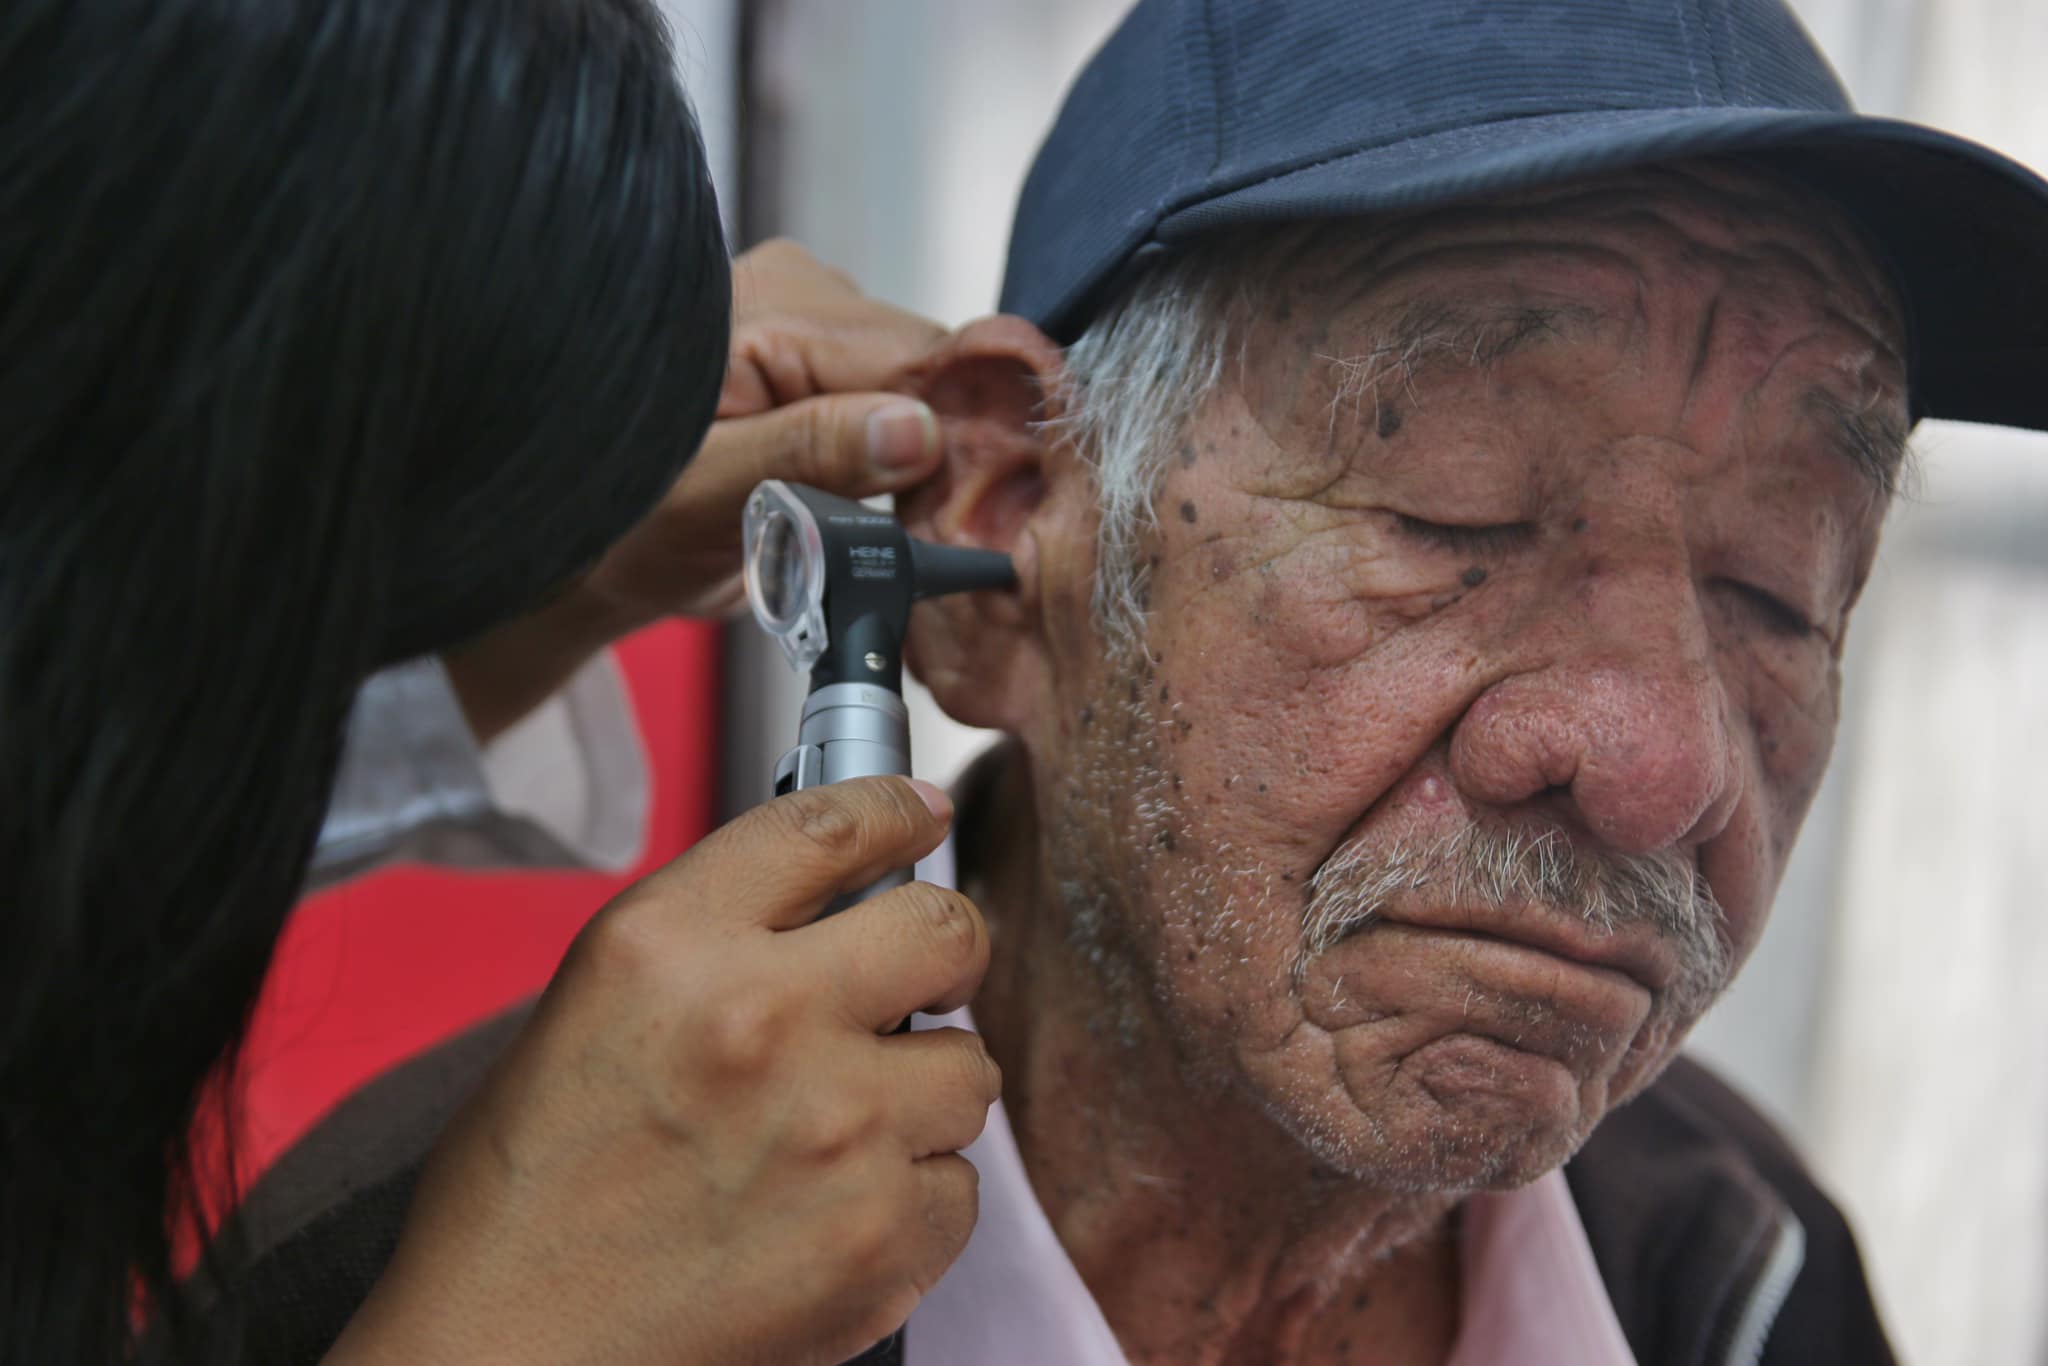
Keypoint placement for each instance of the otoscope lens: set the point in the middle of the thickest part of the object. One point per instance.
(786, 571)
(779, 567)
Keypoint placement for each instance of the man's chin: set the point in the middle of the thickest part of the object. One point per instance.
(1462, 1113)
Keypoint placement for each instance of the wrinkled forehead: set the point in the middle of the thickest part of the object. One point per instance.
(1616, 237)
(1729, 273)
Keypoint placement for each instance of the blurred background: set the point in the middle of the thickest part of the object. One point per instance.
(1893, 1021)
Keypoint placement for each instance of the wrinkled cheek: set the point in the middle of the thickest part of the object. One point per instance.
(1240, 677)
(1282, 716)
(1743, 867)
(1226, 946)
(1329, 615)
(1314, 603)
(1793, 746)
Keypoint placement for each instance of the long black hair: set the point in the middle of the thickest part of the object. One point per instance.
(331, 332)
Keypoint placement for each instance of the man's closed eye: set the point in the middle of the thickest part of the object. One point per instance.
(1492, 539)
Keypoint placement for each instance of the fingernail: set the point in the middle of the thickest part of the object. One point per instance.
(935, 797)
(902, 437)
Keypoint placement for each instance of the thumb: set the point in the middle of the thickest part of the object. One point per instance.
(778, 864)
(854, 445)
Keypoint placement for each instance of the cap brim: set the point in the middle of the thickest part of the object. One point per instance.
(1964, 228)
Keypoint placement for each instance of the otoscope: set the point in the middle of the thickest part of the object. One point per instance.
(833, 580)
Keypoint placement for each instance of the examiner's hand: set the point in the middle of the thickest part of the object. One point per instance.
(801, 402)
(706, 1146)
(808, 352)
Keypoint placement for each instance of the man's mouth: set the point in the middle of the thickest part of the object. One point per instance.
(1634, 951)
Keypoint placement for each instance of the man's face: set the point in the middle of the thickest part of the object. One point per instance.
(1491, 657)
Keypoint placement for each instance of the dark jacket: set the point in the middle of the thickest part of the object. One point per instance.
(1715, 1245)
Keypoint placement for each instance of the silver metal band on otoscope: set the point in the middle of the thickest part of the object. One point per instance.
(849, 730)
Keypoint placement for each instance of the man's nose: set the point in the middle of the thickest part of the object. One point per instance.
(1620, 707)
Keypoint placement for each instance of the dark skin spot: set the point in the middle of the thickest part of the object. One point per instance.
(1165, 693)
(1087, 717)
(1389, 421)
(1579, 525)
(1262, 787)
(1473, 577)
(1187, 454)
(1187, 513)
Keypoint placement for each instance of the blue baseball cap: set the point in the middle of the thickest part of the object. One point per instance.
(1199, 115)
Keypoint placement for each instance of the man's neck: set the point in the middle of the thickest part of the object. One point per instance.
(1205, 1232)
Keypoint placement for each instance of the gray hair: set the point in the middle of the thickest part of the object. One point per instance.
(1136, 378)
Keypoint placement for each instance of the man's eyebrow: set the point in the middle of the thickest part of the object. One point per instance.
(1422, 335)
(1425, 334)
(1866, 436)
(1480, 335)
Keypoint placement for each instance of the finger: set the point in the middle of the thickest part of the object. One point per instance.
(919, 947)
(779, 864)
(853, 445)
(952, 1203)
(851, 346)
(779, 276)
(945, 1081)
(801, 328)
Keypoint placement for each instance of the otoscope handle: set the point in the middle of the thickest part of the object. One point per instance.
(849, 730)
(852, 730)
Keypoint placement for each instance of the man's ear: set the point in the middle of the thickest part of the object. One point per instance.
(992, 385)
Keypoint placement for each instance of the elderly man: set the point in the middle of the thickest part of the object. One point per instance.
(1441, 445)
(1438, 535)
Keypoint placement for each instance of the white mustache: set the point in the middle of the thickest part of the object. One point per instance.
(1663, 891)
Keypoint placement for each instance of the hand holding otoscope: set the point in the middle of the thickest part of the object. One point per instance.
(808, 1162)
(833, 581)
